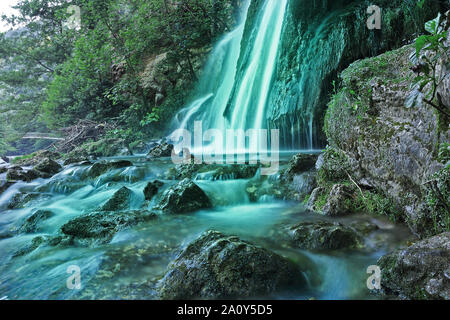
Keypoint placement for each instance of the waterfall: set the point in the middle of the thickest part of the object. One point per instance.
(235, 86)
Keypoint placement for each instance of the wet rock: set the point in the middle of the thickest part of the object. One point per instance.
(32, 224)
(21, 199)
(35, 243)
(184, 197)
(319, 235)
(161, 151)
(48, 166)
(232, 172)
(152, 189)
(4, 185)
(217, 266)
(339, 201)
(300, 163)
(17, 174)
(121, 200)
(100, 168)
(421, 271)
(102, 226)
(364, 227)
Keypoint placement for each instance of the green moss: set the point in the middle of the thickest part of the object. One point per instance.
(26, 157)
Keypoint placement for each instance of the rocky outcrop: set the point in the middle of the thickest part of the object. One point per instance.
(421, 271)
(388, 146)
(184, 197)
(319, 235)
(217, 266)
(100, 227)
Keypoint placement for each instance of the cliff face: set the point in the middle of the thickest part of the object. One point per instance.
(390, 147)
(320, 39)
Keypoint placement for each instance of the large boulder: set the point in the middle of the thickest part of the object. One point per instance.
(319, 235)
(421, 271)
(121, 200)
(184, 197)
(217, 266)
(389, 145)
(100, 227)
(161, 151)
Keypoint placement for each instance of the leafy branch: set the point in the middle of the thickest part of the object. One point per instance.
(430, 58)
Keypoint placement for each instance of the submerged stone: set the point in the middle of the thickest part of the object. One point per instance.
(217, 266)
(32, 224)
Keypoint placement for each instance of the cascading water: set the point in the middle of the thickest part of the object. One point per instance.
(234, 91)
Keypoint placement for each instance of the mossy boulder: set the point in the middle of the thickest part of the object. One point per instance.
(100, 227)
(320, 235)
(184, 197)
(384, 144)
(48, 167)
(421, 271)
(217, 266)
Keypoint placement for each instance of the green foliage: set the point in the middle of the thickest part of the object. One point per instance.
(430, 50)
(437, 196)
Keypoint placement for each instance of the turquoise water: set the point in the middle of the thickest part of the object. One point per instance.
(129, 266)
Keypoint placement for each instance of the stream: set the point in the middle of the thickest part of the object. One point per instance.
(131, 264)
